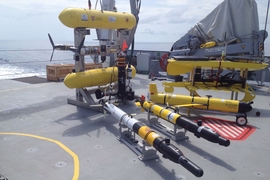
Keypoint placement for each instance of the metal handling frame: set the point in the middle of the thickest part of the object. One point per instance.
(176, 134)
(83, 96)
(142, 149)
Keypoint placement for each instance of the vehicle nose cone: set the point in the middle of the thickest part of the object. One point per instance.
(68, 16)
(244, 107)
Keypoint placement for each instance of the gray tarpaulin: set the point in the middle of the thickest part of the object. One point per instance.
(238, 18)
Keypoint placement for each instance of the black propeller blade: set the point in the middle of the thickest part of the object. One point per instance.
(52, 45)
(65, 47)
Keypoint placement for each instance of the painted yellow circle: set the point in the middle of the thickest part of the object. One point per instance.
(74, 156)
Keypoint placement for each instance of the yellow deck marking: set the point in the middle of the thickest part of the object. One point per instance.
(75, 157)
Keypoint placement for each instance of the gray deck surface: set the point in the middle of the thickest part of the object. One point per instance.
(41, 137)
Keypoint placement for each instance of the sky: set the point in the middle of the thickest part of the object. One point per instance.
(160, 20)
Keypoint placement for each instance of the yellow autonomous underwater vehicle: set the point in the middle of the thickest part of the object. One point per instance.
(203, 103)
(88, 18)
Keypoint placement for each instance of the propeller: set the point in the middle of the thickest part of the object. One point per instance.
(65, 47)
(52, 45)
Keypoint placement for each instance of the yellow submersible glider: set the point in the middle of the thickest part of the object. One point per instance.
(203, 103)
(167, 149)
(176, 67)
(177, 119)
(206, 103)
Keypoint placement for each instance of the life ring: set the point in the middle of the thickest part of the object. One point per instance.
(164, 61)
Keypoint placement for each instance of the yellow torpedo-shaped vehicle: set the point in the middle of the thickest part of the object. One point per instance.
(202, 103)
(88, 18)
(93, 77)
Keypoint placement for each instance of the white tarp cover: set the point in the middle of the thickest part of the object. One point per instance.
(238, 18)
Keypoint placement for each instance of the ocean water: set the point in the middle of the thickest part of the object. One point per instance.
(29, 58)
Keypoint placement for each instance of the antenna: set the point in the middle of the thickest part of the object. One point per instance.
(226, 43)
(96, 4)
(266, 20)
(89, 4)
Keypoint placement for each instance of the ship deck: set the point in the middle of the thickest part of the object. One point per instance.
(44, 137)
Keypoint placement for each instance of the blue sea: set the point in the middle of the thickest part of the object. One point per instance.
(29, 58)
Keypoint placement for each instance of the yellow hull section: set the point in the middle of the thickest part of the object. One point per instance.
(205, 103)
(93, 77)
(249, 93)
(177, 67)
(85, 18)
(215, 104)
(148, 135)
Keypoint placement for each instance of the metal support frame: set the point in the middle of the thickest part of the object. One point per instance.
(176, 134)
(83, 97)
(142, 149)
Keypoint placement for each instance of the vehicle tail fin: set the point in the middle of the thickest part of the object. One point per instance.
(153, 89)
